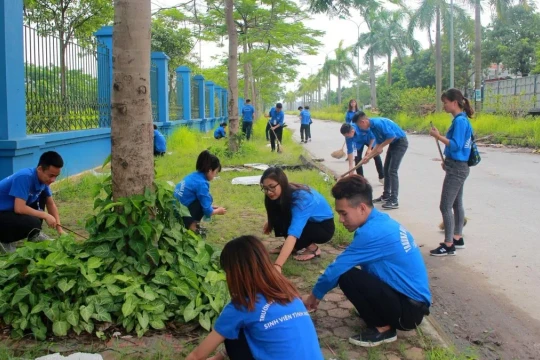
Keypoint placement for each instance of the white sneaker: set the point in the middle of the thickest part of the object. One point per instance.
(40, 237)
(381, 181)
(7, 248)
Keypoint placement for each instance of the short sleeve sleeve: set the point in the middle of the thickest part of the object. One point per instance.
(20, 188)
(230, 322)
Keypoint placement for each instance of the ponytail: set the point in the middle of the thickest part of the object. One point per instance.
(207, 162)
(467, 107)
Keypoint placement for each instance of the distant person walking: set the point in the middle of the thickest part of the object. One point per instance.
(248, 114)
(457, 151)
(387, 133)
(305, 121)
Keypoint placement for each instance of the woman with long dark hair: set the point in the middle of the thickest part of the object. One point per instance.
(458, 142)
(353, 107)
(194, 191)
(298, 213)
(266, 319)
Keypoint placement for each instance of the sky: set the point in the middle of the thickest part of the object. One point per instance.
(335, 30)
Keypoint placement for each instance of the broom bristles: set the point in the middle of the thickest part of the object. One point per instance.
(338, 154)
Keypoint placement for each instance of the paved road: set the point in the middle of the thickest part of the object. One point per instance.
(488, 294)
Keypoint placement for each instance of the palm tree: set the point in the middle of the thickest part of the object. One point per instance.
(344, 66)
(328, 70)
(371, 40)
(290, 98)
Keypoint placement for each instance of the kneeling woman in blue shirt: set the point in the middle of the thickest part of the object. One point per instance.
(298, 213)
(194, 190)
(265, 319)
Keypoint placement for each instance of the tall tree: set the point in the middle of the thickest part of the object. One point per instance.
(344, 66)
(232, 105)
(68, 20)
(132, 137)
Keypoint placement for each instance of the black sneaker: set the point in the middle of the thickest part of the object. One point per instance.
(381, 199)
(443, 250)
(372, 337)
(459, 244)
(391, 205)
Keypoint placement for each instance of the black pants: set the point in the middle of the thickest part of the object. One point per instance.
(158, 153)
(267, 131)
(279, 133)
(378, 164)
(15, 227)
(393, 158)
(239, 349)
(196, 211)
(246, 128)
(380, 305)
(218, 137)
(305, 132)
(313, 233)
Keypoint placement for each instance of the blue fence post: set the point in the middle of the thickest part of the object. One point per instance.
(185, 73)
(162, 63)
(105, 73)
(12, 90)
(211, 106)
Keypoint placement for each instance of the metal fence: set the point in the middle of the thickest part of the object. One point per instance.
(61, 84)
(195, 99)
(521, 92)
(176, 96)
(206, 102)
(154, 90)
(217, 104)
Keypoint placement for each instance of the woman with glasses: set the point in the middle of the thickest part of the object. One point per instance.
(298, 213)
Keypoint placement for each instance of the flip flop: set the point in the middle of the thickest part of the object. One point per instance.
(309, 252)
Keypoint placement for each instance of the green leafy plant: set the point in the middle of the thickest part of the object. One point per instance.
(139, 269)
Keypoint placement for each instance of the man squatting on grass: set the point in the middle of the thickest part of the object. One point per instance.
(391, 289)
(23, 199)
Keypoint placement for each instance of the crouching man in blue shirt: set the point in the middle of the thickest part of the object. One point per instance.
(160, 144)
(23, 199)
(220, 131)
(391, 289)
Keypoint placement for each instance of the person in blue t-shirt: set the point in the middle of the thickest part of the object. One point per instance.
(220, 131)
(387, 133)
(356, 139)
(194, 191)
(275, 125)
(265, 319)
(305, 121)
(24, 196)
(390, 291)
(298, 213)
(248, 114)
(458, 142)
(160, 144)
(353, 108)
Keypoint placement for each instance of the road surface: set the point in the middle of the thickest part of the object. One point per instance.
(488, 294)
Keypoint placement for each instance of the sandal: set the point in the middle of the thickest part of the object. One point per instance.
(309, 252)
(276, 250)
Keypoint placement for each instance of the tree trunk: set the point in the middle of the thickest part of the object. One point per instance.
(132, 134)
(251, 82)
(232, 106)
(329, 91)
(477, 54)
(339, 87)
(438, 61)
(372, 81)
(389, 71)
(246, 70)
(319, 97)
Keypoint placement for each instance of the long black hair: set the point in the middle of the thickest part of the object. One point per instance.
(462, 101)
(282, 207)
(350, 106)
(207, 162)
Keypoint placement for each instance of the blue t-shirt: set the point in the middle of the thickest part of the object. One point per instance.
(305, 117)
(24, 184)
(193, 187)
(160, 145)
(348, 116)
(273, 331)
(220, 132)
(276, 117)
(247, 113)
(459, 134)
(385, 249)
(360, 138)
(385, 129)
(307, 206)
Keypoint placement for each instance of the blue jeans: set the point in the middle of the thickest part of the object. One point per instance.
(394, 155)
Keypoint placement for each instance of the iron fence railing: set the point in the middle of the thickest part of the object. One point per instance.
(176, 96)
(61, 84)
(195, 99)
(154, 91)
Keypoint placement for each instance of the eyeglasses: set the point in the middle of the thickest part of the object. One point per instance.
(269, 188)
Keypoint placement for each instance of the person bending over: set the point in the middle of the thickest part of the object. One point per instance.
(390, 290)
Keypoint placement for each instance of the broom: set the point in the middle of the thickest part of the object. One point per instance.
(338, 154)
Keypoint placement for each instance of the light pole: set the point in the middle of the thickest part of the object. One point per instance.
(357, 55)
(451, 43)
